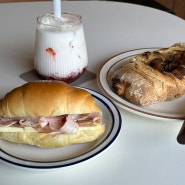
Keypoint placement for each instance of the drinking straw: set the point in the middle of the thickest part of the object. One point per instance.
(57, 8)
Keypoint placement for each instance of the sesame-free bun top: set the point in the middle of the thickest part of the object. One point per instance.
(47, 98)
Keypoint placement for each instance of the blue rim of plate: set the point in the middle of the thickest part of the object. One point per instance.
(105, 143)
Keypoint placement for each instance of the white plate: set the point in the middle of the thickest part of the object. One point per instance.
(167, 110)
(31, 157)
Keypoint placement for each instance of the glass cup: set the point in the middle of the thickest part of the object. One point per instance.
(60, 47)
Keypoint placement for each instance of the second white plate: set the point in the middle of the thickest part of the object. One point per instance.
(167, 110)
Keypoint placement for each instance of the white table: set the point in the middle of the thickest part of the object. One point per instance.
(146, 150)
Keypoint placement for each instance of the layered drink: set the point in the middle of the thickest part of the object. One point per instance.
(60, 47)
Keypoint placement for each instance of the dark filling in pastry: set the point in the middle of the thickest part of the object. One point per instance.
(174, 64)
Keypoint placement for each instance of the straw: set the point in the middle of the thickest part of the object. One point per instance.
(57, 8)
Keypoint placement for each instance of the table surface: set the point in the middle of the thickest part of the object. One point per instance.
(146, 150)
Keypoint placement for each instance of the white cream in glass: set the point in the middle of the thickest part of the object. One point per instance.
(60, 47)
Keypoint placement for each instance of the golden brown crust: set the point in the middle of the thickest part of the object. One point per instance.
(53, 98)
(54, 140)
(152, 77)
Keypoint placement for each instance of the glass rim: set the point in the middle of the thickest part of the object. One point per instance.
(68, 19)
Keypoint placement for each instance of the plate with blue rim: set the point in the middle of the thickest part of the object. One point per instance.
(35, 158)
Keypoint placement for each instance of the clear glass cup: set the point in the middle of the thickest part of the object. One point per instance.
(60, 47)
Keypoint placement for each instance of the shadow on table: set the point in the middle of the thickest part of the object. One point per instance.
(32, 75)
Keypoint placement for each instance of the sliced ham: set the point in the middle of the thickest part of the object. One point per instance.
(65, 123)
(70, 126)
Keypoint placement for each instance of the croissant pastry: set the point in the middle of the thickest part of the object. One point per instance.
(153, 76)
(50, 114)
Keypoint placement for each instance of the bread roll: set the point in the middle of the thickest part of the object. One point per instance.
(55, 140)
(36, 99)
(152, 77)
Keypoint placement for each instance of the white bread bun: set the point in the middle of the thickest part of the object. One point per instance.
(54, 140)
(47, 99)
